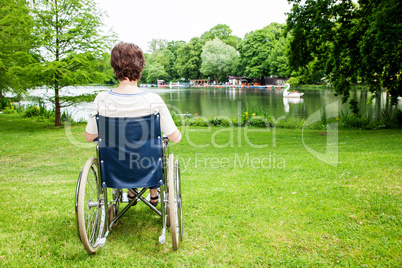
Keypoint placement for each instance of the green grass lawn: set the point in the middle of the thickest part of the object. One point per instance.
(252, 197)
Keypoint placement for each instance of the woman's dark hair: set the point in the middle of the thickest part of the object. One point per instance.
(127, 61)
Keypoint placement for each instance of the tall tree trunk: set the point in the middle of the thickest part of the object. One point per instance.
(378, 105)
(57, 105)
(387, 107)
(56, 82)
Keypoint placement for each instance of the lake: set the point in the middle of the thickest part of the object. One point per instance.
(233, 101)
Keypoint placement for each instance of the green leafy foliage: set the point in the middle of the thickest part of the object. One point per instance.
(293, 81)
(349, 42)
(32, 111)
(17, 50)
(259, 121)
(171, 53)
(263, 52)
(221, 121)
(160, 64)
(188, 61)
(4, 102)
(157, 45)
(223, 33)
(72, 45)
(353, 105)
(218, 59)
(199, 121)
(156, 71)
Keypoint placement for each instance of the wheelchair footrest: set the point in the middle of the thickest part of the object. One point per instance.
(162, 238)
(124, 198)
(102, 242)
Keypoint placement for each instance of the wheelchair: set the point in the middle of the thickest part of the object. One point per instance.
(131, 156)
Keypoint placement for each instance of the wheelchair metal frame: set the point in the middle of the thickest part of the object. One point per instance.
(94, 231)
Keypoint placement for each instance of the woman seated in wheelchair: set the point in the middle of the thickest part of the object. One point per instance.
(128, 100)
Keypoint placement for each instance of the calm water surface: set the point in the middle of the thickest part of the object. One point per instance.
(232, 102)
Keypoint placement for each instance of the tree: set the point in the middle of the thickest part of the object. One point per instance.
(218, 59)
(17, 50)
(171, 53)
(188, 62)
(223, 32)
(158, 60)
(157, 44)
(349, 42)
(278, 60)
(156, 71)
(72, 45)
(262, 50)
(164, 53)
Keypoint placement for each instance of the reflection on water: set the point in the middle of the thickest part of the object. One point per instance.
(291, 101)
(229, 101)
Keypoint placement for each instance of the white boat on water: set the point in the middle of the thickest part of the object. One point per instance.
(294, 94)
(177, 84)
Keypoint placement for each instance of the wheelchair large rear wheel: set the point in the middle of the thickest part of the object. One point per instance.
(91, 212)
(175, 202)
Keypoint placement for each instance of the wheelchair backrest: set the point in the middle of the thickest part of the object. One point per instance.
(130, 151)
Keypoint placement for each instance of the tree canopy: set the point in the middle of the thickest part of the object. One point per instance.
(18, 46)
(188, 61)
(222, 32)
(262, 52)
(157, 45)
(218, 59)
(349, 42)
(162, 61)
(72, 45)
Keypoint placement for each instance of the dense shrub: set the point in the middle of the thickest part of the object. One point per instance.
(4, 103)
(295, 123)
(294, 81)
(258, 121)
(199, 121)
(388, 119)
(398, 118)
(176, 118)
(32, 111)
(9, 110)
(221, 121)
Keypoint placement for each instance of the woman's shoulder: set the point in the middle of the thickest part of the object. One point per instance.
(153, 96)
(102, 94)
(100, 97)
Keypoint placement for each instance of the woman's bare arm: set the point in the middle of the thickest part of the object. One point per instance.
(90, 137)
(175, 136)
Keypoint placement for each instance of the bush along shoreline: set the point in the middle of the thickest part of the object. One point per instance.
(38, 112)
(259, 119)
(324, 87)
(254, 117)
